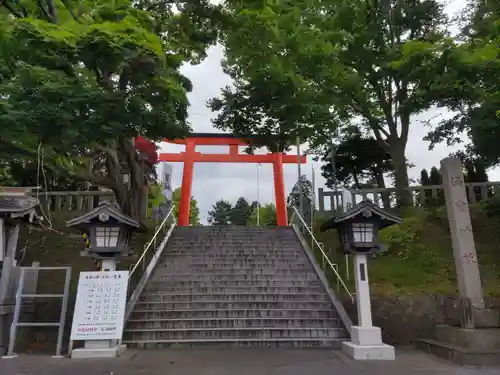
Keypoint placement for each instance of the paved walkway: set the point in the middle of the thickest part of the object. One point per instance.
(237, 362)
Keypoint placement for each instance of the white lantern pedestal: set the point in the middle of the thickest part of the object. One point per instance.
(366, 340)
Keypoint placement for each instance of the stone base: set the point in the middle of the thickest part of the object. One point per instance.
(486, 318)
(472, 347)
(369, 352)
(458, 355)
(85, 353)
(9, 356)
(366, 336)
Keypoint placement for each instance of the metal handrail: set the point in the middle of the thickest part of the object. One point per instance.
(153, 240)
(147, 271)
(332, 266)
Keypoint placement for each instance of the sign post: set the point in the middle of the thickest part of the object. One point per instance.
(99, 314)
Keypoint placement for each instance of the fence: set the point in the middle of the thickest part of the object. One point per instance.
(386, 198)
(68, 201)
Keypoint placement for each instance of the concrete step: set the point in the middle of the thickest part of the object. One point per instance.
(303, 313)
(251, 262)
(285, 343)
(223, 288)
(222, 264)
(231, 323)
(197, 258)
(255, 333)
(236, 305)
(233, 278)
(233, 297)
(193, 249)
(235, 253)
(236, 269)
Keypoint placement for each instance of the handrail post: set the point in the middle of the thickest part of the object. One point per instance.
(325, 257)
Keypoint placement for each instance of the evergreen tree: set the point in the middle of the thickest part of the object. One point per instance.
(241, 212)
(220, 214)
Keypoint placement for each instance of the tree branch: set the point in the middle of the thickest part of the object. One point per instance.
(52, 11)
(44, 11)
(13, 10)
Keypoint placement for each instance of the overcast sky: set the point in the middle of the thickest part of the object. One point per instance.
(230, 181)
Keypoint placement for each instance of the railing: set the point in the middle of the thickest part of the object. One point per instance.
(386, 197)
(68, 201)
(148, 261)
(324, 260)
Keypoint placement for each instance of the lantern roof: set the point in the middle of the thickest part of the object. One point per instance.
(103, 213)
(364, 210)
(15, 203)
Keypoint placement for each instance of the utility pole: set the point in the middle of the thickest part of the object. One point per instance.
(331, 155)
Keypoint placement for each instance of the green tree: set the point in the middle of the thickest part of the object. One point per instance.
(305, 186)
(373, 61)
(80, 81)
(194, 211)
(221, 213)
(267, 216)
(424, 178)
(241, 212)
(471, 85)
(357, 159)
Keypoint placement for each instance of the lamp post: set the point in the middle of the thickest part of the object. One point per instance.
(358, 231)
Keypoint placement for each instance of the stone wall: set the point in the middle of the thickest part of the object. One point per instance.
(405, 319)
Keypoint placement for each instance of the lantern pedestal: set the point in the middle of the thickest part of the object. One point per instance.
(366, 340)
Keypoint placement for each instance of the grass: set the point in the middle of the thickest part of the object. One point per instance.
(58, 246)
(419, 258)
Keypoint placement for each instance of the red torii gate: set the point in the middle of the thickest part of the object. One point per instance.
(191, 156)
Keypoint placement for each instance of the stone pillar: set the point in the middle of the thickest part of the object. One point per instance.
(462, 237)
(7, 300)
(362, 291)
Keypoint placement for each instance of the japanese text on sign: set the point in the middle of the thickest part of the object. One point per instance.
(100, 305)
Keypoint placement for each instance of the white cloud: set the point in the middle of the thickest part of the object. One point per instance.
(230, 181)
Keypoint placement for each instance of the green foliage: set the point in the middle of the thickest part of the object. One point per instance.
(220, 214)
(79, 82)
(470, 86)
(419, 256)
(491, 207)
(358, 160)
(302, 186)
(224, 213)
(346, 59)
(241, 211)
(194, 211)
(266, 217)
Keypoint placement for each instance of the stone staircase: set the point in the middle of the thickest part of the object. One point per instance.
(237, 287)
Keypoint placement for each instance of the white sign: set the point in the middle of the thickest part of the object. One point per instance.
(100, 305)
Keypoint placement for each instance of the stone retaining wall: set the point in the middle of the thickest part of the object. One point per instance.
(405, 319)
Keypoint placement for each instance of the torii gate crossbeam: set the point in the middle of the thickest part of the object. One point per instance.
(191, 156)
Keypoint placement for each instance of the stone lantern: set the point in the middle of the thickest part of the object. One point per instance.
(109, 232)
(358, 231)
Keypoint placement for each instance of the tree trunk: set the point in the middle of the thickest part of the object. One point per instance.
(404, 195)
(379, 178)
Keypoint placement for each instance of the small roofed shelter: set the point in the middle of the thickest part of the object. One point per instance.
(16, 208)
(108, 229)
(358, 227)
